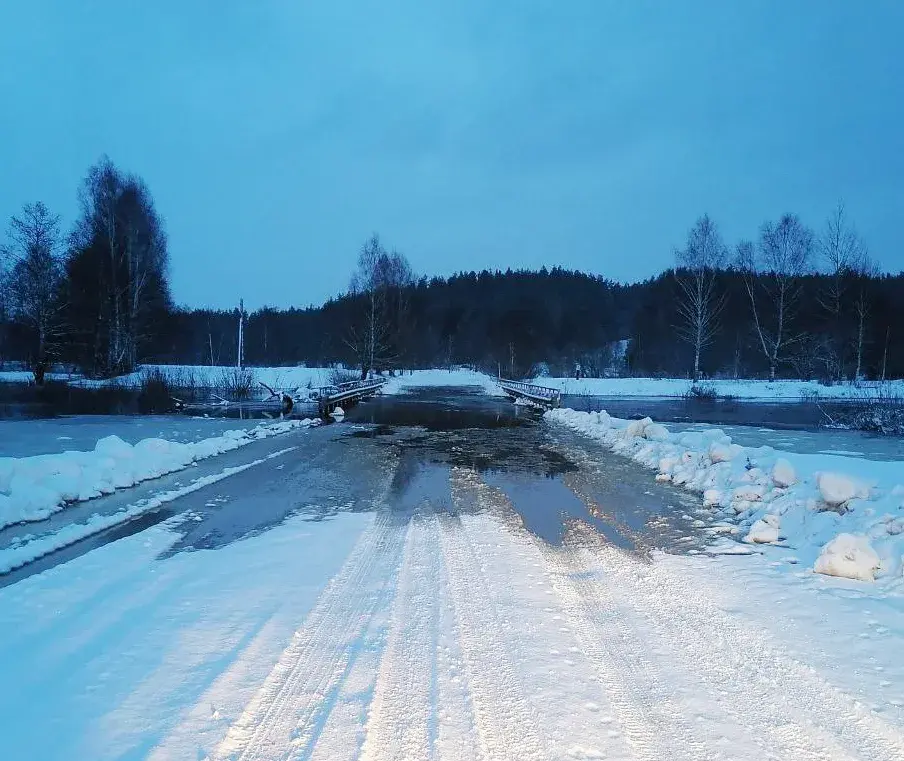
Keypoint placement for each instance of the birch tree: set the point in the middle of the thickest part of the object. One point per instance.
(36, 280)
(865, 269)
(118, 269)
(379, 280)
(772, 273)
(842, 252)
(699, 306)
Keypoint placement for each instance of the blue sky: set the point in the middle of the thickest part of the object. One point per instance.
(276, 136)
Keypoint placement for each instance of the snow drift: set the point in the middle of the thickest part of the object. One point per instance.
(845, 520)
(32, 488)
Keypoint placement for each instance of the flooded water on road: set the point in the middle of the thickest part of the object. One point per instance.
(547, 475)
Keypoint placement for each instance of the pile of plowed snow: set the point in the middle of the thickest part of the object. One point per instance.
(31, 488)
(842, 515)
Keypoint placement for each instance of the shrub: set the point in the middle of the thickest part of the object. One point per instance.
(877, 411)
(339, 376)
(237, 383)
(702, 392)
(155, 394)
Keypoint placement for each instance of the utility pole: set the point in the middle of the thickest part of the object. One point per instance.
(240, 354)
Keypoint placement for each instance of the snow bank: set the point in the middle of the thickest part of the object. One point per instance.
(32, 488)
(843, 515)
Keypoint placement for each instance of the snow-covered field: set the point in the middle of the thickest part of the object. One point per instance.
(276, 377)
(315, 377)
(792, 390)
(838, 515)
(440, 632)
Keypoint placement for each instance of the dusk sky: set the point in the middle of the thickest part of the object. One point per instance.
(277, 136)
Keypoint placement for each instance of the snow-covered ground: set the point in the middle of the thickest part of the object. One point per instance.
(457, 378)
(34, 487)
(738, 389)
(314, 377)
(835, 514)
(438, 627)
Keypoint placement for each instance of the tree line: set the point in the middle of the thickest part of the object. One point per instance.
(96, 296)
(790, 302)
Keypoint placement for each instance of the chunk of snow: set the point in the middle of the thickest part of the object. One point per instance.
(850, 557)
(656, 432)
(636, 428)
(837, 488)
(765, 530)
(667, 464)
(783, 474)
(712, 497)
(719, 452)
(749, 492)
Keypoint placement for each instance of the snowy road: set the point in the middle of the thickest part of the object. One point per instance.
(429, 613)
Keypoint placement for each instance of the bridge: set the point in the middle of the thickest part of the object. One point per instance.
(347, 394)
(542, 395)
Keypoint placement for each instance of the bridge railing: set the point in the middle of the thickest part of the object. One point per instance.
(541, 394)
(351, 391)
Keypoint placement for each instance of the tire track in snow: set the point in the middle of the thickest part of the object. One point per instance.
(295, 696)
(654, 721)
(456, 731)
(506, 725)
(794, 707)
(402, 712)
(631, 692)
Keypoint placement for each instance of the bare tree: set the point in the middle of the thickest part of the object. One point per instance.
(772, 276)
(36, 279)
(841, 249)
(5, 276)
(865, 269)
(699, 306)
(120, 246)
(380, 279)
